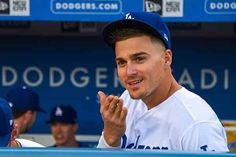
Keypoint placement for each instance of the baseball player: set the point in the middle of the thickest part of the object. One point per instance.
(64, 126)
(6, 126)
(25, 104)
(154, 112)
(9, 130)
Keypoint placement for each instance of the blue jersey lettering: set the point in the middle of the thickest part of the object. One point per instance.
(136, 146)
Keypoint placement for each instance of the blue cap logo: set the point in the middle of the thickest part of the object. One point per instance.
(128, 16)
(63, 114)
(165, 37)
(58, 112)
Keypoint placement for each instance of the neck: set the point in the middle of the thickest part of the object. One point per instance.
(163, 92)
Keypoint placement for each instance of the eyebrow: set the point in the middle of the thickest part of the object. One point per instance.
(133, 55)
(138, 54)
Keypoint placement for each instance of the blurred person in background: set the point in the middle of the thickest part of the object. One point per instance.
(9, 131)
(64, 126)
(25, 104)
(6, 120)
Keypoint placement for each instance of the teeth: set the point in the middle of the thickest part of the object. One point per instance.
(135, 82)
(58, 136)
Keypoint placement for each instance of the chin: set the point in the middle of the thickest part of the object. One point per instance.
(60, 142)
(134, 95)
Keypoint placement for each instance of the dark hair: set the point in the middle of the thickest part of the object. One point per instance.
(126, 33)
(17, 114)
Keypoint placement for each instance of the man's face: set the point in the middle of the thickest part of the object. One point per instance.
(29, 119)
(140, 65)
(32, 119)
(63, 133)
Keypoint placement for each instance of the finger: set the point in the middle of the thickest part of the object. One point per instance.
(123, 114)
(119, 108)
(108, 101)
(102, 98)
(113, 104)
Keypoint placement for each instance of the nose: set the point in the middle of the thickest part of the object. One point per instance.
(131, 69)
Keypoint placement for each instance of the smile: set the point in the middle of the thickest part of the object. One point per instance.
(134, 82)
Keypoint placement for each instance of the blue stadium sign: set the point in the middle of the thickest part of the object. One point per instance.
(221, 7)
(108, 10)
(86, 7)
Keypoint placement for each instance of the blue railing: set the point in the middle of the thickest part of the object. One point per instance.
(56, 152)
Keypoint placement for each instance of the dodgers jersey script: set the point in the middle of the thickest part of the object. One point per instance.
(184, 121)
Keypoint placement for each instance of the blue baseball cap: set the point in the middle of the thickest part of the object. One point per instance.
(22, 99)
(63, 114)
(149, 22)
(6, 120)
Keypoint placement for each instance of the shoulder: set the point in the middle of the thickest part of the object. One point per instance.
(185, 95)
(189, 109)
(193, 106)
(28, 143)
(207, 136)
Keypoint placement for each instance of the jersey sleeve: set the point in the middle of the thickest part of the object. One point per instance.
(103, 144)
(205, 136)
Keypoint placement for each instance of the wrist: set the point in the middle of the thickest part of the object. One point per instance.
(112, 140)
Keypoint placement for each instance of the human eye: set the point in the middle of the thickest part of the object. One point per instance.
(120, 63)
(140, 59)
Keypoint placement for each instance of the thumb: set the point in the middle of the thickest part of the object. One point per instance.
(102, 96)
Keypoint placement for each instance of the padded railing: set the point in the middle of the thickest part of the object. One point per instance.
(68, 152)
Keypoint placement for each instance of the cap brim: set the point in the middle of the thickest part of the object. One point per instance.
(110, 28)
(4, 140)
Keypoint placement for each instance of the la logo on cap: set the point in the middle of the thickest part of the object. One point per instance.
(58, 111)
(10, 104)
(128, 16)
(11, 122)
(165, 36)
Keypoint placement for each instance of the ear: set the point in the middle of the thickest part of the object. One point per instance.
(168, 57)
(14, 132)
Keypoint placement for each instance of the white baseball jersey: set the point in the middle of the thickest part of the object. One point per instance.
(28, 143)
(183, 122)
